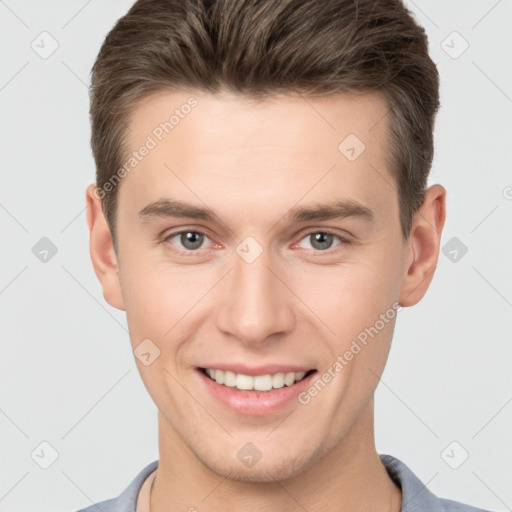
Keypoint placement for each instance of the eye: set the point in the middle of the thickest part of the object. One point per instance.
(321, 240)
(190, 240)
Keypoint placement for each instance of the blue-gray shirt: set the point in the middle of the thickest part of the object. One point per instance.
(415, 496)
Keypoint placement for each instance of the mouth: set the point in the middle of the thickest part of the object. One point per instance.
(261, 383)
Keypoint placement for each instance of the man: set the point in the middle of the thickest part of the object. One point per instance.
(261, 213)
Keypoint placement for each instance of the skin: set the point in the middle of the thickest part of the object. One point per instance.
(251, 163)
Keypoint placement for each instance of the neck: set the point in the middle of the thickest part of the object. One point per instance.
(349, 477)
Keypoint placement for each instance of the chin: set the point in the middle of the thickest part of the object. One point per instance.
(264, 471)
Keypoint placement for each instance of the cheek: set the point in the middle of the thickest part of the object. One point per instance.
(349, 297)
(368, 320)
(156, 296)
(166, 303)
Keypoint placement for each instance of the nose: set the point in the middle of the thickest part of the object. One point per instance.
(256, 305)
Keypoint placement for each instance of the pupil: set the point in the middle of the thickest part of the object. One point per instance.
(322, 240)
(192, 240)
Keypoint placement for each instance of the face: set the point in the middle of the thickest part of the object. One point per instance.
(261, 247)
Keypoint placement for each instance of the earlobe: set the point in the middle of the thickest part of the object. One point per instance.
(423, 246)
(101, 248)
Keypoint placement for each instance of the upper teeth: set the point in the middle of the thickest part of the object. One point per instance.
(258, 383)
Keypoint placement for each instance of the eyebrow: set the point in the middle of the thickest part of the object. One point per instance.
(168, 208)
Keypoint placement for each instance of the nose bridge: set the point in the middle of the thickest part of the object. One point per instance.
(256, 304)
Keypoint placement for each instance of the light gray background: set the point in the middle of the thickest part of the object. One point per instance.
(68, 374)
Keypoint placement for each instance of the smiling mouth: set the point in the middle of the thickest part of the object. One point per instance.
(267, 382)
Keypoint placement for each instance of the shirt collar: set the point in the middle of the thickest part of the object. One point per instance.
(415, 495)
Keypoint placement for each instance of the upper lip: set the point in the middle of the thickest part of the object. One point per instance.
(257, 370)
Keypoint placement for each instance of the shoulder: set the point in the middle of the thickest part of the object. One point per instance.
(415, 495)
(127, 500)
(456, 506)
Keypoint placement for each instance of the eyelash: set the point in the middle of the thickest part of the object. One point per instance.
(189, 253)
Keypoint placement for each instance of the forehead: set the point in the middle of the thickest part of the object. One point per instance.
(203, 118)
(278, 149)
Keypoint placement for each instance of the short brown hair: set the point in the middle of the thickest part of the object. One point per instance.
(263, 47)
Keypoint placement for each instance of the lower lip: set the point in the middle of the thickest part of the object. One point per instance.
(255, 403)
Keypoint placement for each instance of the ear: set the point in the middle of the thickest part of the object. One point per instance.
(422, 248)
(101, 248)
